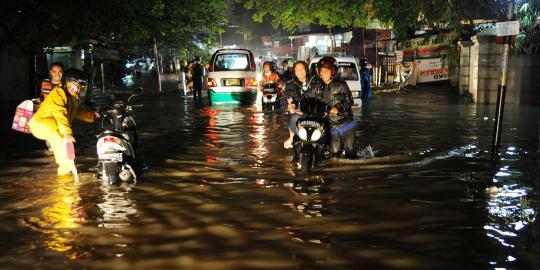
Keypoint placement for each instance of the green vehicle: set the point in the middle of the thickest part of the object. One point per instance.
(232, 77)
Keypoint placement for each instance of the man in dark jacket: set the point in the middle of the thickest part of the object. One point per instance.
(197, 72)
(337, 95)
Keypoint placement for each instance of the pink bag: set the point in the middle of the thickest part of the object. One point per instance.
(23, 114)
(70, 150)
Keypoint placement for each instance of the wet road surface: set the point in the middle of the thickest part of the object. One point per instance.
(221, 193)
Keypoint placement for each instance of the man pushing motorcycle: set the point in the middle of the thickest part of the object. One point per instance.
(337, 95)
(52, 122)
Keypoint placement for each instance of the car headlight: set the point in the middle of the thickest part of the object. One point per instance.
(302, 133)
(316, 135)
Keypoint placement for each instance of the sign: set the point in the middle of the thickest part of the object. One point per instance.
(507, 28)
(432, 70)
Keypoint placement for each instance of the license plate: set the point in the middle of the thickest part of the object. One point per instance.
(115, 157)
(232, 82)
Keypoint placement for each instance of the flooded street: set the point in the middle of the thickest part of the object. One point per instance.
(221, 193)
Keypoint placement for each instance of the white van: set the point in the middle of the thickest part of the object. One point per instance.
(348, 69)
(232, 77)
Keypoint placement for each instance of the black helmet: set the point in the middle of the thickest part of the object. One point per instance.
(73, 74)
(328, 62)
(273, 66)
(363, 62)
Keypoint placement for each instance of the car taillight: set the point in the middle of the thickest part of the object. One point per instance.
(251, 82)
(211, 82)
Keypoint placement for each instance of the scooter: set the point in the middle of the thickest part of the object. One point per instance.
(271, 94)
(310, 143)
(117, 142)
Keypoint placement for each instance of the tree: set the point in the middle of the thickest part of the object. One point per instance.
(329, 13)
(33, 24)
(403, 16)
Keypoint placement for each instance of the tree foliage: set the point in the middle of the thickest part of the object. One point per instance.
(330, 13)
(34, 24)
(403, 16)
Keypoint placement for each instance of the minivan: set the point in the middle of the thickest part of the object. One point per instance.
(232, 77)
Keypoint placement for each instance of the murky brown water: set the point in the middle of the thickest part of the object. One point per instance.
(221, 194)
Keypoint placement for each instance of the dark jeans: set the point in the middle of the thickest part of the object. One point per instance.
(344, 139)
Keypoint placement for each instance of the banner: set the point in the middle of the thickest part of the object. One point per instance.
(431, 70)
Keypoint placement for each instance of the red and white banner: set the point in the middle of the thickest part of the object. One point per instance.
(431, 70)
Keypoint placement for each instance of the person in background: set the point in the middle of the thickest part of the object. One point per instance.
(287, 74)
(197, 73)
(270, 74)
(52, 122)
(138, 70)
(47, 85)
(188, 78)
(365, 80)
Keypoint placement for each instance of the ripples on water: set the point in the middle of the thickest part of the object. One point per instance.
(222, 194)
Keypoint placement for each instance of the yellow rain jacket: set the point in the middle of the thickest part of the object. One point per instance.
(53, 120)
(63, 108)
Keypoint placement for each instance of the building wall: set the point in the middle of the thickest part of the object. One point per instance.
(485, 61)
(523, 85)
(464, 66)
(483, 73)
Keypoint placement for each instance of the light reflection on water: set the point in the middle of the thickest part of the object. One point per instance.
(224, 170)
(60, 215)
(117, 208)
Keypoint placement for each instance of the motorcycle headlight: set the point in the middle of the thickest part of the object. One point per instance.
(317, 134)
(302, 133)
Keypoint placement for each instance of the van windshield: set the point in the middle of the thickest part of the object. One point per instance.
(231, 62)
(346, 70)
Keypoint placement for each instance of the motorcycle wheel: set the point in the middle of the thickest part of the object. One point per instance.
(305, 162)
(125, 175)
(110, 172)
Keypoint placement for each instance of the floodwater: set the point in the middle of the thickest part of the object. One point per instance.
(221, 193)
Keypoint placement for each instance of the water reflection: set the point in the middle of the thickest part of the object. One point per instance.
(257, 137)
(60, 215)
(314, 197)
(509, 208)
(117, 207)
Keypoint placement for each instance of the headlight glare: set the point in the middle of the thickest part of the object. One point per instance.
(316, 135)
(302, 133)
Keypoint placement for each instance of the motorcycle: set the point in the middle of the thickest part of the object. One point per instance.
(310, 143)
(271, 94)
(117, 142)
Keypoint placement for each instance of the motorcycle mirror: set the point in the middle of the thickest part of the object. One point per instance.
(135, 92)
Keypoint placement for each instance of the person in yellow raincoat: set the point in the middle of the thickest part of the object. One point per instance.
(52, 122)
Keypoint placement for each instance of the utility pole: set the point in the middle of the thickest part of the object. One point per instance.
(499, 110)
(157, 65)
